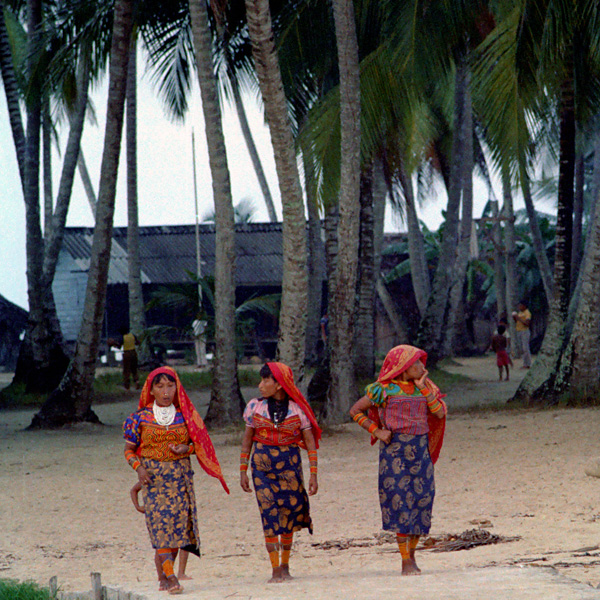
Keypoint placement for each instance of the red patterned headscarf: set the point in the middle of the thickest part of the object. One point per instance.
(284, 376)
(204, 449)
(397, 360)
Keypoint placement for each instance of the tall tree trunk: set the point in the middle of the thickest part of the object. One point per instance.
(11, 91)
(512, 291)
(430, 334)
(576, 253)
(536, 235)
(541, 382)
(455, 312)
(137, 315)
(343, 385)
(419, 271)
(253, 152)
(47, 163)
(294, 295)
(499, 278)
(225, 396)
(71, 401)
(87, 183)
(315, 261)
(364, 334)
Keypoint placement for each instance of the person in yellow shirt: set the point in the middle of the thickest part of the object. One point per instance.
(130, 358)
(522, 320)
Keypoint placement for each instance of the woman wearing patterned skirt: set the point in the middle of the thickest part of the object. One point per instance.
(407, 414)
(277, 425)
(159, 439)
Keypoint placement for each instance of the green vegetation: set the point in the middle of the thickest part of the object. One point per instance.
(13, 590)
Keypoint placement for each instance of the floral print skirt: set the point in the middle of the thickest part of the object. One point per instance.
(406, 484)
(170, 505)
(279, 486)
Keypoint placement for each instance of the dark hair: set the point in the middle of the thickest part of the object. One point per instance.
(501, 329)
(265, 371)
(158, 378)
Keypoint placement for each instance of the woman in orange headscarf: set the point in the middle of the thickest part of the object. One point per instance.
(407, 414)
(277, 424)
(159, 439)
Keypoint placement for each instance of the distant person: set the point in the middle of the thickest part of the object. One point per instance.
(522, 320)
(324, 325)
(198, 329)
(163, 582)
(500, 345)
(130, 357)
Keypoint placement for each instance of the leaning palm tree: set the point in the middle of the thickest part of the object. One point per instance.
(71, 400)
(294, 299)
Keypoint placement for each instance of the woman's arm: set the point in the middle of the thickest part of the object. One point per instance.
(311, 446)
(434, 405)
(358, 414)
(245, 458)
(135, 464)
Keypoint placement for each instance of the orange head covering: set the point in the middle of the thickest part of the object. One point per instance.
(397, 360)
(205, 451)
(284, 376)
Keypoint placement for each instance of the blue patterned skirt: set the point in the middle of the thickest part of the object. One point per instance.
(279, 486)
(170, 505)
(406, 484)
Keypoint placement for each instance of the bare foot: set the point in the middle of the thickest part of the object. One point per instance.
(409, 567)
(163, 585)
(183, 577)
(174, 586)
(285, 572)
(277, 576)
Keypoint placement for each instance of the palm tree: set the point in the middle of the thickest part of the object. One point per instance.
(224, 406)
(71, 400)
(292, 320)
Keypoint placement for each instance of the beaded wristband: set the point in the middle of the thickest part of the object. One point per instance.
(244, 458)
(372, 427)
(312, 457)
(425, 391)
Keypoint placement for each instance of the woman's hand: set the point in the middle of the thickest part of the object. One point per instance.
(143, 476)
(245, 482)
(385, 435)
(313, 485)
(179, 448)
(420, 383)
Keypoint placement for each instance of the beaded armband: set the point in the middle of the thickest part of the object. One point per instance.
(244, 458)
(312, 459)
(132, 459)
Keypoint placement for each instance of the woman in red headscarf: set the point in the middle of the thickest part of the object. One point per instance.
(159, 439)
(407, 414)
(277, 424)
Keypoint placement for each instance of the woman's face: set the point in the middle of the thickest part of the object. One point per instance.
(164, 391)
(414, 371)
(268, 387)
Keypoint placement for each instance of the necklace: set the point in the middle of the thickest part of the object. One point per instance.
(164, 415)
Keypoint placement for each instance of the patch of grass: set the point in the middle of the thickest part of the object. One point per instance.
(14, 590)
(445, 380)
(15, 396)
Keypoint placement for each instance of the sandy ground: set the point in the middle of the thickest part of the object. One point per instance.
(65, 508)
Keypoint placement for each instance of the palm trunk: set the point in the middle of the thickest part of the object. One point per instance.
(512, 292)
(416, 247)
(576, 253)
(47, 162)
(343, 385)
(11, 91)
(536, 235)
(294, 295)
(137, 316)
(430, 334)
(225, 395)
(87, 183)
(253, 152)
(499, 279)
(364, 335)
(72, 399)
(541, 380)
(455, 314)
(315, 262)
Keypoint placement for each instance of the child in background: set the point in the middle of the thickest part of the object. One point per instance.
(499, 345)
(183, 555)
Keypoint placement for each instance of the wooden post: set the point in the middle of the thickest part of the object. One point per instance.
(96, 586)
(53, 586)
